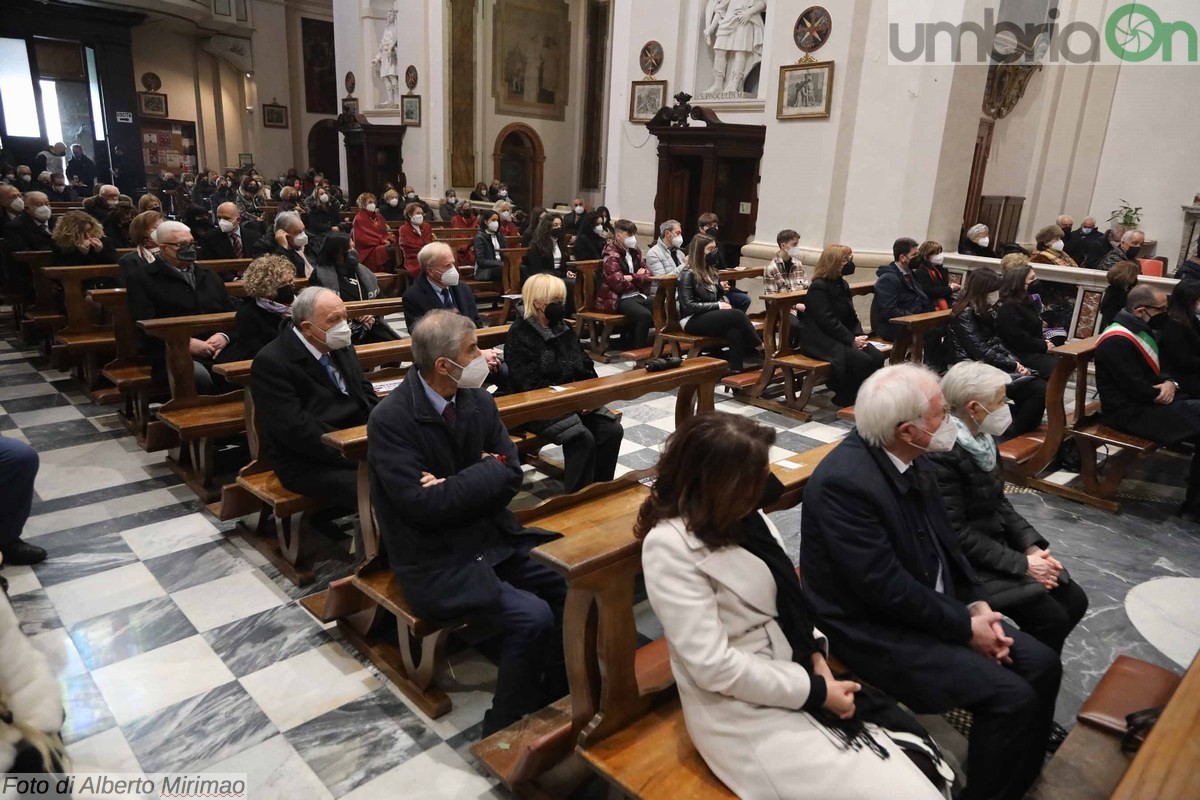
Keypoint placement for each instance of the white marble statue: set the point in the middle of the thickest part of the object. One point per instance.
(386, 64)
(734, 31)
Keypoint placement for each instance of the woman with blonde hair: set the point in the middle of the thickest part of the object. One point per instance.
(542, 350)
(265, 310)
(79, 239)
(149, 202)
(832, 330)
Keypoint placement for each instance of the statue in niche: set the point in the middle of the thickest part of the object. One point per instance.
(386, 64)
(734, 29)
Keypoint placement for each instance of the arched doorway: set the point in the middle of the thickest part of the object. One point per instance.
(518, 160)
(323, 150)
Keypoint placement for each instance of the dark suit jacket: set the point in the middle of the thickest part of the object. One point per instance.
(159, 291)
(256, 328)
(488, 264)
(23, 233)
(422, 297)
(442, 541)
(897, 294)
(267, 246)
(869, 563)
(297, 402)
(216, 244)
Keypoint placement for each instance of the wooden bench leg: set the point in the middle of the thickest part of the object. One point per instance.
(282, 543)
(1115, 469)
(794, 401)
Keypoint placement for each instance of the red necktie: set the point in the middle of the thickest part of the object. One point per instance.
(237, 245)
(450, 415)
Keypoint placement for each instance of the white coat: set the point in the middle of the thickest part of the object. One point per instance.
(26, 684)
(740, 690)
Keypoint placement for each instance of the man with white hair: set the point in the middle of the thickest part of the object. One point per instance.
(11, 205)
(1066, 223)
(289, 240)
(884, 572)
(103, 203)
(1127, 249)
(306, 383)
(31, 230)
(174, 286)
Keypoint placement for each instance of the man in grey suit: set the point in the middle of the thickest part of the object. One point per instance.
(667, 256)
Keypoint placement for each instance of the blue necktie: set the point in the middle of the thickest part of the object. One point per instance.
(447, 300)
(334, 375)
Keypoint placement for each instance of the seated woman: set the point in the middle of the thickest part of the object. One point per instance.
(142, 235)
(590, 241)
(605, 220)
(1122, 277)
(414, 235)
(535, 218)
(149, 202)
(391, 210)
(1179, 342)
(489, 241)
(1012, 559)
(198, 219)
(507, 226)
(785, 274)
(541, 350)
(832, 330)
(703, 309)
(977, 241)
(548, 254)
(933, 278)
(324, 216)
(289, 200)
(466, 217)
(1050, 243)
(375, 242)
(265, 310)
(1019, 322)
(337, 267)
(760, 702)
(78, 239)
(624, 284)
(480, 192)
(116, 226)
(972, 337)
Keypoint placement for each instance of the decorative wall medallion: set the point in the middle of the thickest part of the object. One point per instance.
(651, 58)
(410, 77)
(151, 82)
(350, 83)
(812, 29)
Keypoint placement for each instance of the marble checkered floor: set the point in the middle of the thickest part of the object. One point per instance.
(178, 648)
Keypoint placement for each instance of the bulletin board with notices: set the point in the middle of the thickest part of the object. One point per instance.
(167, 145)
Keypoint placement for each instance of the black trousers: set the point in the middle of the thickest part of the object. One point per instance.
(1012, 705)
(639, 316)
(1050, 616)
(337, 486)
(1177, 422)
(591, 456)
(531, 670)
(1029, 405)
(731, 325)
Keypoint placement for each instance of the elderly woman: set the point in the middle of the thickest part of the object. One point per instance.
(542, 350)
(376, 244)
(508, 226)
(79, 239)
(1013, 560)
(977, 241)
(142, 236)
(1050, 243)
(338, 268)
(414, 234)
(265, 310)
(149, 202)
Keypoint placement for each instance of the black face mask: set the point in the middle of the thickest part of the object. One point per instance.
(1132, 252)
(557, 233)
(772, 491)
(170, 185)
(1159, 322)
(187, 253)
(1034, 288)
(1067, 231)
(712, 259)
(285, 295)
(713, 231)
(555, 312)
(849, 267)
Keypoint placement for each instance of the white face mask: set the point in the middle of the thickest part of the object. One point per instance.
(226, 225)
(393, 201)
(1057, 244)
(942, 441)
(493, 226)
(578, 209)
(322, 198)
(795, 252)
(300, 239)
(937, 260)
(598, 230)
(450, 277)
(42, 213)
(631, 242)
(339, 336)
(993, 298)
(677, 241)
(504, 192)
(505, 215)
(997, 422)
(371, 208)
(17, 206)
(473, 374)
(418, 220)
(985, 241)
(1087, 230)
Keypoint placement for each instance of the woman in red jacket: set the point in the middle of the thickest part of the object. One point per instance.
(625, 288)
(376, 244)
(466, 218)
(507, 226)
(414, 235)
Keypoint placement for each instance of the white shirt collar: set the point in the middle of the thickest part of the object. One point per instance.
(901, 466)
(315, 352)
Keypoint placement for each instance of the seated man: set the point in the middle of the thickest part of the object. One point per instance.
(173, 286)
(18, 469)
(306, 383)
(226, 241)
(897, 293)
(666, 257)
(104, 203)
(1136, 397)
(443, 471)
(31, 229)
(898, 600)
(288, 240)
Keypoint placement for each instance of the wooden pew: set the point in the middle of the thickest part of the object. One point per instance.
(910, 339)
(130, 373)
(258, 488)
(597, 326)
(669, 336)
(613, 682)
(1168, 763)
(199, 420)
(358, 602)
(507, 289)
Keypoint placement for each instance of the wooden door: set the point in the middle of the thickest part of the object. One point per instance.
(983, 147)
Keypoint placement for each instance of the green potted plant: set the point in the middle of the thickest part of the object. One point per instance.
(1127, 215)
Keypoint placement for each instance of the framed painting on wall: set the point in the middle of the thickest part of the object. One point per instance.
(645, 99)
(152, 104)
(805, 91)
(531, 58)
(274, 115)
(320, 78)
(410, 110)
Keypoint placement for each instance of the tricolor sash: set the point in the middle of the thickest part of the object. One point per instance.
(1144, 342)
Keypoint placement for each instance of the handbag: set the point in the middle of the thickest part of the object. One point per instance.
(1139, 725)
